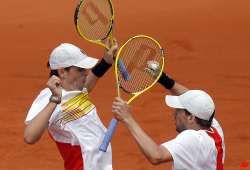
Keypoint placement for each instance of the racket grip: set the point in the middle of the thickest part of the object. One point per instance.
(123, 70)
(108, 135)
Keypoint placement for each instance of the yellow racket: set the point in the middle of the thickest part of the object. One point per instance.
(143, 58)
(94, 20)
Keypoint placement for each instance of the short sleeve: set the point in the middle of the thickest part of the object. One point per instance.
(183, 149)
(39, 103)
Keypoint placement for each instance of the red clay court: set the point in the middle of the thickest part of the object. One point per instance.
(207, 46)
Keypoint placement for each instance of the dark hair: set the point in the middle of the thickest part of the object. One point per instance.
(55, 72)
(205, 123)
(201, 122)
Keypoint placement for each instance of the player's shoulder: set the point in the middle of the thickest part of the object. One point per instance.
(195, 139)
(192, 136)
(188, 133)
(38, 104)
(44, 94)
(45, 91)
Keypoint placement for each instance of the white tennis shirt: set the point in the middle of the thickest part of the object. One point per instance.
(195, 150)
(75, 123)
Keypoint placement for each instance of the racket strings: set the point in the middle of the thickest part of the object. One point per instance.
(95, 19)
(136, 55)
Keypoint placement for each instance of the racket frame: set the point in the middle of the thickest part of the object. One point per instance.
(109, 33)
(136, 94)
(114, 122)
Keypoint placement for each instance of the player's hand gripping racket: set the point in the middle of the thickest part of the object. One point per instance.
(143, 58)
(94, 21)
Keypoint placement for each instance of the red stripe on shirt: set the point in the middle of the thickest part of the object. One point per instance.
(213, 133)
(72, 156)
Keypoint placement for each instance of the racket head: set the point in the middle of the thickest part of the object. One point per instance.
(136, 55)
(94, 20)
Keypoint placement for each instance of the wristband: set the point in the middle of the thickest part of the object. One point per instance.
(166, 81)
(101, 68)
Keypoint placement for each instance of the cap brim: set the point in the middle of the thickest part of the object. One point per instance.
(87, 63)
(174, 102)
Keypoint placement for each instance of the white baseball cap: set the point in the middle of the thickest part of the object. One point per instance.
(197, 102)
(66, 55)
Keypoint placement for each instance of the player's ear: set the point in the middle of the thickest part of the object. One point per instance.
(61, 73)
(191, 118)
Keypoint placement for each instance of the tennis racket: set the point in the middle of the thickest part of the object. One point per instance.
(94, 21)
(143, 58)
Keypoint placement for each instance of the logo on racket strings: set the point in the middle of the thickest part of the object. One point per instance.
(93, 14)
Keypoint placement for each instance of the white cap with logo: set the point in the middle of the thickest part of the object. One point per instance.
(66, 55)
(197, 102)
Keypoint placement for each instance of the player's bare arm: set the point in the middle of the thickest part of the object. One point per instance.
(174, 87)
(166, 81)
(108, 57)
(155, 153)
(34, 130)
(178, 89)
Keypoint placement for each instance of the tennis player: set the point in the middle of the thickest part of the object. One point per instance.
(200, 142)
(65, 109)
